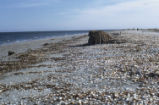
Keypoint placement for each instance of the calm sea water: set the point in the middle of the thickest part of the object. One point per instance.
(10, 37)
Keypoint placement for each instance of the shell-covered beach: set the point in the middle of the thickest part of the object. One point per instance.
(68, 71)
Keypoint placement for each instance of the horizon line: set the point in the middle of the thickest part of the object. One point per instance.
(57, 30)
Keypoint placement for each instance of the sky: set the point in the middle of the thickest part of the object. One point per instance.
(41, 15)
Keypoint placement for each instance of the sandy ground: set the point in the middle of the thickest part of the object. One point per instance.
(67, 72)
(20, 47)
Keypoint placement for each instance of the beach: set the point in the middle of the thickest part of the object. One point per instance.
(23, 46)
(65, 70)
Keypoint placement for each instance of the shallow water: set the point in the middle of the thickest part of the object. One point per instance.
(10, 37)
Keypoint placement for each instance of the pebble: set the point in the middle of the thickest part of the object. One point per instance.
(100, 74)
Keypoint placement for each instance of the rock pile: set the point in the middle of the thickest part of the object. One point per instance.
(98, 37)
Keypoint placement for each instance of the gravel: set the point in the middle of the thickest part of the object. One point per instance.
(125, 73)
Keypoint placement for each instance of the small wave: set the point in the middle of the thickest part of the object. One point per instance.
(9, 38)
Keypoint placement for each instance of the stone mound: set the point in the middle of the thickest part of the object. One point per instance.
(98, 37)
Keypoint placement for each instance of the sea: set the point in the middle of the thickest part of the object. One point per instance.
(12, 37)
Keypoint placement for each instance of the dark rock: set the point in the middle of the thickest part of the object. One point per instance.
(116, 33)
(10, 53)
(98, 37)
(45, 44)
(153, 75)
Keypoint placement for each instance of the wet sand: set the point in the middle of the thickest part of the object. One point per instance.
(19, 47)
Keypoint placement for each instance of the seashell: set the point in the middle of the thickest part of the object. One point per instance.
(135, 96)
(116, 94)
(1, 91)
(80, 102)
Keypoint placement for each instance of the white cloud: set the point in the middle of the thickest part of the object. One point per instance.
(138, 13)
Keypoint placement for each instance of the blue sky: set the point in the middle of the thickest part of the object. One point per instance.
(30, 15)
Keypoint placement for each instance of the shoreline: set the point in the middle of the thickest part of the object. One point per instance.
(42, 38)
(22, 46)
